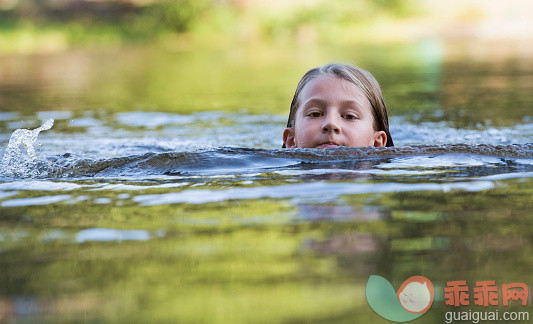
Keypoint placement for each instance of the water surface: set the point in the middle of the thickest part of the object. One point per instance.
(161, 192)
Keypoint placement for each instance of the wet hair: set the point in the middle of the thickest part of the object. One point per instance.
(362, 79)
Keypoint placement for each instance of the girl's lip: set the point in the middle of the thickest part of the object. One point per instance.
(328, 145)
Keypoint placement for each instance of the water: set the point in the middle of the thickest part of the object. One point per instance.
(161, 192)
(19, 159)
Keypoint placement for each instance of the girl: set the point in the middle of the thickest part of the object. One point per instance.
(337, 105)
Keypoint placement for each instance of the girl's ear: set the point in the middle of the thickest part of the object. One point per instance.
(380, 139)
(288, 138)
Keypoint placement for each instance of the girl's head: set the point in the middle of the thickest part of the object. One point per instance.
(337, 105)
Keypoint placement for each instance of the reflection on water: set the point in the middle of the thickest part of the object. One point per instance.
(161, 193)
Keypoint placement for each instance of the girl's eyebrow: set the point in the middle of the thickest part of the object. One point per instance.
(351, 104)
(322, 103)
(315, 101)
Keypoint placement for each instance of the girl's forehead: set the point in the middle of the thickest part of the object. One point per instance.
(331, 86)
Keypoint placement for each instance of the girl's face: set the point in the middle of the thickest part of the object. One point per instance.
(333, 112)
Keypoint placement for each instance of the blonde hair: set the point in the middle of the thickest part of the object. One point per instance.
(362, 79)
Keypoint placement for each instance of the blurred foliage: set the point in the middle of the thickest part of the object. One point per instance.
(334, 20)
(86, 22)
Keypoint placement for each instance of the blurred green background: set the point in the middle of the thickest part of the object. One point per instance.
(52, 25)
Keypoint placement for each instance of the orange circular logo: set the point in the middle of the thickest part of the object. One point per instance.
(416, 294)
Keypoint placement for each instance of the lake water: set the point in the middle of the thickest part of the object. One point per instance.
(161, 193)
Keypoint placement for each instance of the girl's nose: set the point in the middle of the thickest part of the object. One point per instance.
(331, 125)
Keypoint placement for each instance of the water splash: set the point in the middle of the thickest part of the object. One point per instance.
(16, 162)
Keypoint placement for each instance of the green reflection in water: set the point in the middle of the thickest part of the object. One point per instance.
(424, 81)
(210, 265)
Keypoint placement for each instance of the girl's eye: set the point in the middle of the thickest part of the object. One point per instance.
(350, 116)
(314, 114)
